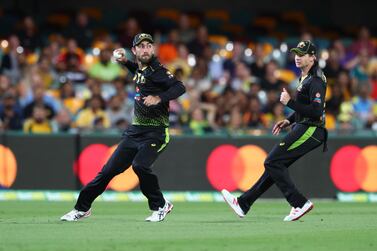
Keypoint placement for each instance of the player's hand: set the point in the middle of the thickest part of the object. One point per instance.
(284, 97)
(151, 100)
(280, 125)
(120, 55)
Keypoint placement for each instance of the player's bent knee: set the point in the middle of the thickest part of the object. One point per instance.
(271, 165)
(268, 163)
(138, 169)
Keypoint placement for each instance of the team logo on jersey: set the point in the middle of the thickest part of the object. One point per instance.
(137, 97)
(317, 98)
(169, 74)
(139, 78)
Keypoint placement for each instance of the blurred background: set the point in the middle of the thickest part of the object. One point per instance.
(234, 61)
(58, 77)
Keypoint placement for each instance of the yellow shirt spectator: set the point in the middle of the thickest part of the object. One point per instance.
(32, 126)
(39, 123)
(88, 118)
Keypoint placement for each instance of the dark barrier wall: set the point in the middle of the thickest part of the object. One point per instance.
(188, 157)
(43, 162)
(47, 162)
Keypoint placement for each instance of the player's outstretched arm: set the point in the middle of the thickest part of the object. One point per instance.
(120, 56)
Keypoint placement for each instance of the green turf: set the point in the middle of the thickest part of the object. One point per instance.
(191, 226)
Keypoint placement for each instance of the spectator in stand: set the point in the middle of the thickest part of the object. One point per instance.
(39, 100)
(39, 122)
(105, 70)
(373, 78)
(363, 106)
(270, 82)
(346, 120)
(47, 73)
(243, 79)
(10, 113)
(125, 95)
(128, 30)
(258, 66)
(255, 90)
(337, 98)
(277, 114)
(71, 50)
(306, 35)
(5, 84)
(118, 114)
(73, 70)
(197, 45)
(346, 86)
(253, 117)
(63, 121)
(181, 62)
(341, 52)
(203, 119)
(68, 98)
(168, 52)
(199, 78)
(333, 66)
(225, 103)
(360, 70)
(363, 42)
(235, 125)
(214, 64)
(80, 31)
(271, 98)
(29, 35)
(92, 88)
(177, 113)
(52, 51)
(185, 33)
(94, 116)
(13, 61)
(237, 55)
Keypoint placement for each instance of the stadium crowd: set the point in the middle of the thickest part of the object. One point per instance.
(69, 82)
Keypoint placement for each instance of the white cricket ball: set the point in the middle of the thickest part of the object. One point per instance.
(118, 53)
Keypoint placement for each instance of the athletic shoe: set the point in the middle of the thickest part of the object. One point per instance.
(161, 213)
(233, 203)
(297, 213)
(76, 215)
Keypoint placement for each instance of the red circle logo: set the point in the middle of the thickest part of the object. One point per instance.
(8, 167)
(235, 168)
(91, 161)
(353, 168)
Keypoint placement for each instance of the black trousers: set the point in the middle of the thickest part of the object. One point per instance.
(301, 140)
(140, 146)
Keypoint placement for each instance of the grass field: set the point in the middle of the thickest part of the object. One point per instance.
(191, 226)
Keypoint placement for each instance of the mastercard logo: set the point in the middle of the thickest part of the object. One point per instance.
(91, 161)
(235, 168)
(8, 167)
(353, 168)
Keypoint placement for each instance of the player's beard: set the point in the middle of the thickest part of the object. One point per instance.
(145, 59)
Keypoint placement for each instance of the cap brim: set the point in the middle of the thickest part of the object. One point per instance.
(145, 39)
(298, 51)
